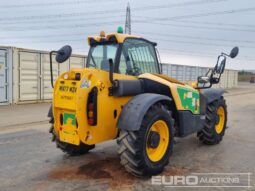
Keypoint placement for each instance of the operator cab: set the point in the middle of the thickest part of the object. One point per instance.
(131, 55)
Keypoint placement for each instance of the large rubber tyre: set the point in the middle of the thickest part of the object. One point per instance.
(72, 150)
(215, 124)
(133, 145)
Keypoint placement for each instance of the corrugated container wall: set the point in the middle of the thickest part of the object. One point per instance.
(5, 75)
(31, 74)
(190, 73)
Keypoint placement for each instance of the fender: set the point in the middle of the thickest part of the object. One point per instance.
(133, 112)
(212, 94)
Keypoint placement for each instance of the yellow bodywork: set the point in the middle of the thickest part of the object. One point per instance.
(119, 37)
(172, 84)
(70, 101)
(75, 102)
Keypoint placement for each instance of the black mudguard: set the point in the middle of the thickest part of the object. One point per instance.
(208, 96)
(133, 112)
(212, 94)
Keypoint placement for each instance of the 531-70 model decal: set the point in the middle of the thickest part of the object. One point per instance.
(189, 99)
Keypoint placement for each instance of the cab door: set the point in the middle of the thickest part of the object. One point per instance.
(138, 56)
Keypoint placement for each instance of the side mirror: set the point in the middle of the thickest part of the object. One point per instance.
(234, 52)
(63, 54)
(203, 79)
(221, 67)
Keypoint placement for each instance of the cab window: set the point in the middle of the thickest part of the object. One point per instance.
(138, 57)
(99, 56)
(123, 65)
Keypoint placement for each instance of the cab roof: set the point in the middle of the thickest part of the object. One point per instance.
(112, 37)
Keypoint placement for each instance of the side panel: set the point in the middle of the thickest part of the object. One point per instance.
(189, 99)
(3, 77)
(189, 123)
(29, 78)
(184, 96)
(187, 102)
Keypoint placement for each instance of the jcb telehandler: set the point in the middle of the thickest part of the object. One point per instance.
(121, 94)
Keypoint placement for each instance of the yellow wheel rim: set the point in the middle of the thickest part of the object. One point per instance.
(220, 125)
(156, 154)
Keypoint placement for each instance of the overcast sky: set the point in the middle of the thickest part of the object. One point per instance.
(190, 32)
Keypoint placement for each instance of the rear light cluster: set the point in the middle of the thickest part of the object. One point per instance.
(72, 76)
(92, 107)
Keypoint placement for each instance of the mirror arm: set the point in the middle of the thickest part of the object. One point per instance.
(224, 54)
(51, 72)
(205, 87)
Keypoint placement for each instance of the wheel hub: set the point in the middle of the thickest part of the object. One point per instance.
(153, 139)
(157, 140)
(217, 119)
(220, 120)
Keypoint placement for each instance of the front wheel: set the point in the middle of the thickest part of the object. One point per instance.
(146, 152)
(215, 124)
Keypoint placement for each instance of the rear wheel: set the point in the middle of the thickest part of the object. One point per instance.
(145, 152)
(73, 150)
(215, 124)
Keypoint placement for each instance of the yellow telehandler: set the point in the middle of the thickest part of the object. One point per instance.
(122, 95)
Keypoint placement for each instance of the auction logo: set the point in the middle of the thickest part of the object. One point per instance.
(227, 180)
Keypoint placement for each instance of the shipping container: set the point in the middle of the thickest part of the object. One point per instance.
(5, 75)
(31, 74)
(191, 73)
